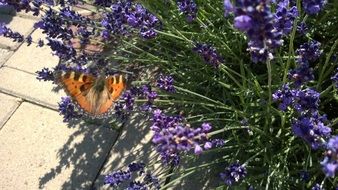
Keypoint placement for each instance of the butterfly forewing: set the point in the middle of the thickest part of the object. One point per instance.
(77, 86)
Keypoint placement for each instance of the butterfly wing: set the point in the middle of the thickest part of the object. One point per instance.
(115, 85)
(77, 85)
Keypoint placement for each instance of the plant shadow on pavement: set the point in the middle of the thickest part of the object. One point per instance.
(93, 151)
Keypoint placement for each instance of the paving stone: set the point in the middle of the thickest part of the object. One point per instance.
(134, 145)
(32, 58)
(7, 108)
(26, 86)
(39, 151)
(37, 34)
(4, 55)
(202, 178)
(17, 24)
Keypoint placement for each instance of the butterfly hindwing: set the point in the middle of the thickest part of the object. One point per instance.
(77, 85)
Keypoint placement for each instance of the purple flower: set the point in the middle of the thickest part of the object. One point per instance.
(64, 52)
(67, 109)
(254, 17)
(53, 24)
(136, 185)
(41, 43)
(209, 54)
(172, 136)
(124, 14)
(285, 16)
(330, 162)
(116, 178)
(166, 83)
(8, 33)
(313, 6)
(301, 74)
(188, 8)
(317, 187)
(217, 142)
(303, 101)
(133, 167)
(45, 74)
(243, 23)
(311, 129)
(234, 173)
(309, 51)
(127, 104)
(302, 28)
(228, 7)
(304, 175)
(29, 40)
(153, 180)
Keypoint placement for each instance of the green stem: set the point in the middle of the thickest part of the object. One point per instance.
(321, 78)
(291, 48)
(268, 65)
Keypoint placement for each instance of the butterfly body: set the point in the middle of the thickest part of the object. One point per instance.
(95, 95)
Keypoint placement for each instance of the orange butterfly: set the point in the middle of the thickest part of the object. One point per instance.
(95, 95)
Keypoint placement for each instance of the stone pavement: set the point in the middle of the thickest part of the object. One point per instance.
(38, 150)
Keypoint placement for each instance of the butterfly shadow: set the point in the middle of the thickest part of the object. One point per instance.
(80, 158)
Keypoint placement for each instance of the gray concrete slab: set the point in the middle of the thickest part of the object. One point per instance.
(26, 86)
(134, 145)
(4, 55)
(32, 58)
(17, 24)
(8, 105)
(39, 151)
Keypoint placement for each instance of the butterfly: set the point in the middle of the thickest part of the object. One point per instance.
(95, 95)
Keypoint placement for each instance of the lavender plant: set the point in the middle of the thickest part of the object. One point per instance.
(247, 87)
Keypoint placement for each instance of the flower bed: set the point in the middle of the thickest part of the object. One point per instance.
(253, 81)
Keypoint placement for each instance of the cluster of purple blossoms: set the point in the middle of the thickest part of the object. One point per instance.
(312, 7)
(303, 101)
(147, 93)
(8, 33)
(209, 54)
(312, 129)
(317, 187)
(64, 52)
(127, 104)
(302, 28)
(285, 16)
(27, 5)
(45, 74)
(217, 143)
(330, 162)
(188, 8)
(309, 124)
(54, 26)
(68, 109)
(234, 173)
(166, 83)
(125, 15)
(172, 136)
(118, 177)
(254, 17)
(308, 52)
(128, 99)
